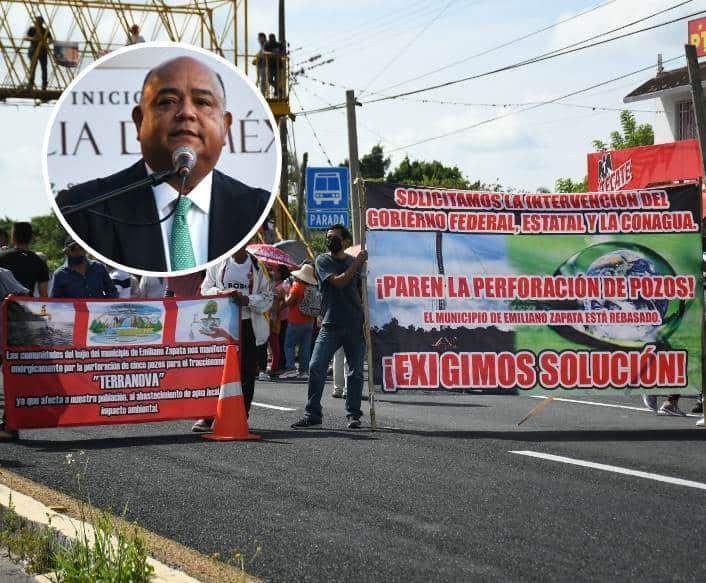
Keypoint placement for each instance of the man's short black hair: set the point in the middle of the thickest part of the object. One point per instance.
(22, 233)
(345, 233)
(218, 76)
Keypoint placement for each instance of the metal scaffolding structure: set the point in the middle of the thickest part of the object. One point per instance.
(96, 27)
(92, 28)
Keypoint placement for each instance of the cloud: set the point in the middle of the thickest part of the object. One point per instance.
(20, 166)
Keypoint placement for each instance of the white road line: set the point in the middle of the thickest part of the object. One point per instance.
(268, 406)
(614, 469)
(594, 403)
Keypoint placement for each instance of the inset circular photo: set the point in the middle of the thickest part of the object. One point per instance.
(162, 158)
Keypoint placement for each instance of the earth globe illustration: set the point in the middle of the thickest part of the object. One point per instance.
(624, 260)
(625, 263)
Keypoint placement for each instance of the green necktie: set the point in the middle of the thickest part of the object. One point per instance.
(180, 249)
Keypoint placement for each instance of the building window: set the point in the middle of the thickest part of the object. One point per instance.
(687, 121)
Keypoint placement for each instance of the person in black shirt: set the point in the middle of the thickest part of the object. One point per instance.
(27, 267)
(39, 38)
(274, 48)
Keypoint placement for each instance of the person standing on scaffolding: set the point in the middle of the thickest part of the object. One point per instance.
(39, 39)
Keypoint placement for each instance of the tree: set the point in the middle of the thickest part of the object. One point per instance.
(633, 135)
(568, 185)
(373, 165)
(210, 308)
(434, 173)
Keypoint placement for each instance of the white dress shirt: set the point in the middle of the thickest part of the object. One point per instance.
(197, 216)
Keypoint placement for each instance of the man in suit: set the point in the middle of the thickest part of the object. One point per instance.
(183, 104)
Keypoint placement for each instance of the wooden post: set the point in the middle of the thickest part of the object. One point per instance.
(301, 217)
(360, 187)
(697, 100)
(353, 166)
(284, 176)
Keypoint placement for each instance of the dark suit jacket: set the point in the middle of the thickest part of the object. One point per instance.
(235, 209)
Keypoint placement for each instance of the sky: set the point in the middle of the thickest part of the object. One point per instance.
(375, 45)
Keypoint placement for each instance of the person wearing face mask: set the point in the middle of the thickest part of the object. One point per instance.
(80, 277)
(339, 280)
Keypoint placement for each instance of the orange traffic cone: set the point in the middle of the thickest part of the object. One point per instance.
(231, 420)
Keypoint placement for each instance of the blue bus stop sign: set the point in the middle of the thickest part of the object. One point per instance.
(327, 197)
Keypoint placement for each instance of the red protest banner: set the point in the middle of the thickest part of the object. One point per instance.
(87, 362)
(591, 292)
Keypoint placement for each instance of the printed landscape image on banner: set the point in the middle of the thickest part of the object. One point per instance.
(590, 292)
(89, 362)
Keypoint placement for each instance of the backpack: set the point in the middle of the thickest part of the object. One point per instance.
(311, 302)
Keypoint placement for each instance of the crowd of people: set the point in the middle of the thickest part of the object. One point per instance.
(284, 313)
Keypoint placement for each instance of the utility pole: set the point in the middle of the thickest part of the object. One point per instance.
(283, 177)
(282, 35)
(282, 223)
(301, 219)
(697, 100)
(353, 166)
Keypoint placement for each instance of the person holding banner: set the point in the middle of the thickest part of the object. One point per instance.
(342, 319)
(251, 288)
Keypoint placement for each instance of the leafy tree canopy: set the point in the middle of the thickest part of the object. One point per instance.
(373, 165)
(633, 135)
(434, 173)
(569, 185)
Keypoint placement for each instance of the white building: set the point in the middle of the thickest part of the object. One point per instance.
(672, 93)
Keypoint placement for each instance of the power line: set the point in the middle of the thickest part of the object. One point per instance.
(499, 105)
(334, 37)
(381, 25)
(500, 46)
(313, 131)
(529, 108)
(405, 47)
(523, 104)
(572, 48)
(360, 121)
(540, 58)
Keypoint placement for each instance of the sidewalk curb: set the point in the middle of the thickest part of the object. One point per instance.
(189, 565)
(34, 511)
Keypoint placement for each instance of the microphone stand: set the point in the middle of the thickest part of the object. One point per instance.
(152, 180)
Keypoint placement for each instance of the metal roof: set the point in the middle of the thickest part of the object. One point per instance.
(662, 83)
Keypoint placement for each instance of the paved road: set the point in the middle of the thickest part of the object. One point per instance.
(436, 495)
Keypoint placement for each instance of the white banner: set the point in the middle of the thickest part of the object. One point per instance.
(92, 134)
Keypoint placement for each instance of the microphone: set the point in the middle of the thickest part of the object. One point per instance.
(183, 160)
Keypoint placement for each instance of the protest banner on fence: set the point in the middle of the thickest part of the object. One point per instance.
(590, 292)
(88, 362)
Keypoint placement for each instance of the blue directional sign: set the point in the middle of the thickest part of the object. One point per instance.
(327, 197)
